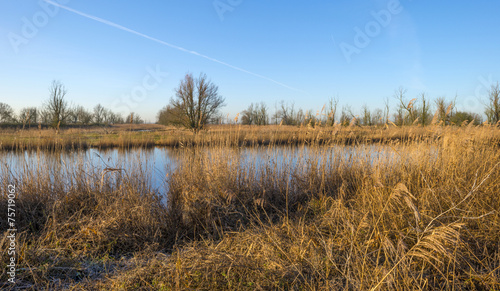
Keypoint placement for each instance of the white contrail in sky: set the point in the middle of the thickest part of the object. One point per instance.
(107, 22)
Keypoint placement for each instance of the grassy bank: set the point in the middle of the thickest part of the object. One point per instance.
(425, 216)
(149, 135)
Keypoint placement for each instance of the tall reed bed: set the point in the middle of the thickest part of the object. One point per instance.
(423, 215)
(227, 135)
(72, 218)
(399, 215)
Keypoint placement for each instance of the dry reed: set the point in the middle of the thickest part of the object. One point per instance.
(419, 212)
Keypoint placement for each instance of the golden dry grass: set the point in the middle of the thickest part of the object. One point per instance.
(426, 216)
(149, 135)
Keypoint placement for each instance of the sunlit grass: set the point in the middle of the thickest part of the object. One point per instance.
(422, 215)
(133, 136)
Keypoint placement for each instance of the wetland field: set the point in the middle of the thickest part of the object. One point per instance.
(150, 207)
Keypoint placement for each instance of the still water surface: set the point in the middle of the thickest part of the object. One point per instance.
(160, 162)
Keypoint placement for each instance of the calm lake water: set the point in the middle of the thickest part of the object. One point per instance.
(158, 163)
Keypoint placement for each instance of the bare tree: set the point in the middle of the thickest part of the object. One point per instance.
(300, 117)
(399, 116)
(138, 119)
(255, 114)
(261, 116)
(444, 110)
(44, 115)
(99, 112)
(197, 100)
(286, 114)
(493, 108)
(114, 118)
(346, 115)
(386, 110)
(6, 113)
(308, 118)
(72, 117)
(82, 115)
(28, 115)
(377, 117)
(134, 118)
(275, 114)
(56, 106)
(248, 115)
(217, 118)
(424, 111)
(332, 111)
(367, 116)
(106, 116)
(406, 110)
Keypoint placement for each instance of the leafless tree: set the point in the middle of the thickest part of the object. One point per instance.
(197, 100)
(377, 116)
(44, 115)
(248, 115)
(82, 115)
(367, 116)
(424, 112)
(6, 113)
(99, 114)
(217, 118)
(255, 114)
(134, 118)
(493, 107)
(286, 114)
(300, 117)
(346, 115)
(444, 110)
(407, 113)
(56, 106)
(261, 117)
(386, 110)
(114, 118)
(332, 111)
(28, 115)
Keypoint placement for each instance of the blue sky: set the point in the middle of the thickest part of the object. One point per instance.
(296, 51)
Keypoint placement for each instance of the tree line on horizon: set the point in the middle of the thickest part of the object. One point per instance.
(189, 109)
(197, 103)
(57, 112)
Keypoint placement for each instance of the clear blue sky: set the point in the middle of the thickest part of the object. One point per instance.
(270, 51)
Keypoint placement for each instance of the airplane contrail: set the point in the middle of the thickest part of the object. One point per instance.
(107, 22)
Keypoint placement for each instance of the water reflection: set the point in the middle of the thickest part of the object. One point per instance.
(157, 163)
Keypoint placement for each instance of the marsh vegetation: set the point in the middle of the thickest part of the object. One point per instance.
(424, 214)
